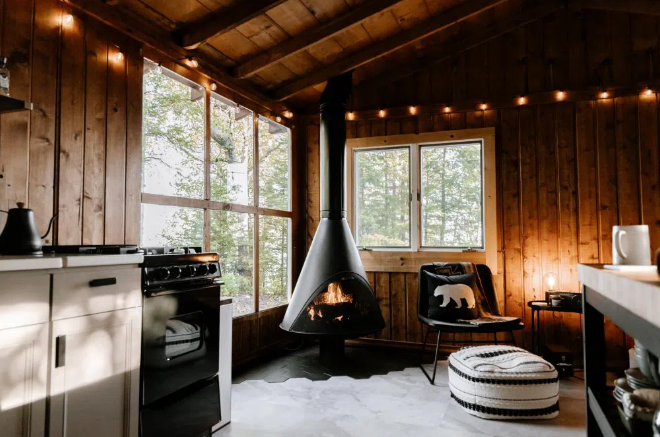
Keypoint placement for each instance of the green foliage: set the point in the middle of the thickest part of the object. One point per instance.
(173, 146)
(451, 196)
(383, 204)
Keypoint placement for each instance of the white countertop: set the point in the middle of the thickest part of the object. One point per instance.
(84, 260)
(11, 263)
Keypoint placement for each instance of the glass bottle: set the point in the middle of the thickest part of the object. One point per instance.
(4, 76)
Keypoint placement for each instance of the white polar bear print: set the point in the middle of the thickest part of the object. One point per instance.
(455, 292)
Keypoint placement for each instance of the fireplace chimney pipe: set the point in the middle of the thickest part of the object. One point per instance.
(332, 144)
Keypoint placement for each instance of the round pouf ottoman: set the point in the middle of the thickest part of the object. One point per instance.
(503, 382)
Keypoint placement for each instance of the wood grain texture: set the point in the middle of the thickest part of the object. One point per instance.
(115, 167)
(72, 126)
(55, 157)
(95, 135)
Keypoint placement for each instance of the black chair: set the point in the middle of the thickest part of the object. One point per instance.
(453, 327)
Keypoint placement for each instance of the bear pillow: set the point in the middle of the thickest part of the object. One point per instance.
(452, 297)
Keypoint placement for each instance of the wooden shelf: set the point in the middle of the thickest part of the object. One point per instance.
(8, 104)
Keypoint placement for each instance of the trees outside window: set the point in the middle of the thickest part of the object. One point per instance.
(419, 196)
(208, 190)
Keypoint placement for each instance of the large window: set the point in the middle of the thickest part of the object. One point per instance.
(431, 192)
(227, 190)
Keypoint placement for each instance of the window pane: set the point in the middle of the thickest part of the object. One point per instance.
(382, 193)
(232, 237)
(173, 135)
(273, 261)
(452, 196)
(274, 173)
(171, 226)
(232, 146)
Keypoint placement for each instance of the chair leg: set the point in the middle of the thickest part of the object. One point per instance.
(495, 337)
(513, 338)
(435, 359)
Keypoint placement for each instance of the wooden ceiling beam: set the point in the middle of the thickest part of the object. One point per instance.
(313, 36)
(219, 22)
(434, 24)
(159, 40)
(461, 43)
(646, 7)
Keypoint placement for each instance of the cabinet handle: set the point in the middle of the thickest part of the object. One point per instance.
(60, 351)
(102, 282)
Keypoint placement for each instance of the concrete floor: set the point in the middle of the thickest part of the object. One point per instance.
(398, 403)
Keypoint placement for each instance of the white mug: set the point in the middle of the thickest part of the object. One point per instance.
(631, 245)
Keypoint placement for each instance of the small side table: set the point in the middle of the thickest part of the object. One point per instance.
(540, 305)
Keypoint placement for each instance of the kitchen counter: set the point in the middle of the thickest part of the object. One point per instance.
(93, 260)
(12, 263)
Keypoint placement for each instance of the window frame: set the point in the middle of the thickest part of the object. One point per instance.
(408, 259)
(207, 205)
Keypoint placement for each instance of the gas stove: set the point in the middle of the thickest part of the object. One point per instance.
(165, 267)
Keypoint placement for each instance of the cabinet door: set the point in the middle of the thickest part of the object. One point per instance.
(23, 370)
(95, 375)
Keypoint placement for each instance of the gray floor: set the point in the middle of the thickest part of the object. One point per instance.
(399, 403)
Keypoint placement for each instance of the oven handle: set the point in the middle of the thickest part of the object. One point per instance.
(188, 289)
(102, 282)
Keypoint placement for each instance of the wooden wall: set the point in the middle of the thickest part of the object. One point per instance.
(77, 154)
(566, 172)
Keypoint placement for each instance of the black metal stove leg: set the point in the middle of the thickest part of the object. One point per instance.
(495, 337)
(435, 360)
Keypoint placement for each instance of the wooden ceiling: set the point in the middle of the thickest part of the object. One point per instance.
(285, 50)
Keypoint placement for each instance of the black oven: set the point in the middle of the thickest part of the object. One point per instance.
(180, 339)
(180, 344)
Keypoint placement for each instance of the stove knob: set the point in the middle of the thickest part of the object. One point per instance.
(213, 268)
(175, 272)
(202, 270)
(161, 274)
(191, 270)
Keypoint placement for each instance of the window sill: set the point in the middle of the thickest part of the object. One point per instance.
(260, 314)
(408, 261)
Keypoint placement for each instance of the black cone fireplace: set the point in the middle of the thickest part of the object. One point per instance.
(332, 298)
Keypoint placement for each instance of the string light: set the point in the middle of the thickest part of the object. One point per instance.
(119, 56)
(522, 100)
(68, 19)
(603, 95)
(278, 119)
(288, 114)
(193, 62)
(648, 92)
(447, 109)
(560, 95)
(351, 115)
(483, 106)
(214, 86)
(381, 113)
(412, 110)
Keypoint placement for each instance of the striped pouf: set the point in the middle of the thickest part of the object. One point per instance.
(503, 382)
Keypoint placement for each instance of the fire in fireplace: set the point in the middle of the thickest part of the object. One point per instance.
(332, 298)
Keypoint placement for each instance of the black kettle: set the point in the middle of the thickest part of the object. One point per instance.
(20, 237)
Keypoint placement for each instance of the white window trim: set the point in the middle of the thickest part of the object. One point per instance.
(408, 259)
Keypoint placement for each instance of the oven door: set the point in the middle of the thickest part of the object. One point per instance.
(180, 339)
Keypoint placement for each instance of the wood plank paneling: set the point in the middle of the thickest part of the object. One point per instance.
(42, 118)
(72, 138)
(69, 155)
(382, 291)
(398, 306)
(95, 134)
(115, 167)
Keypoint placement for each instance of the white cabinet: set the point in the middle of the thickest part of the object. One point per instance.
(95, 375)
(23, 379)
